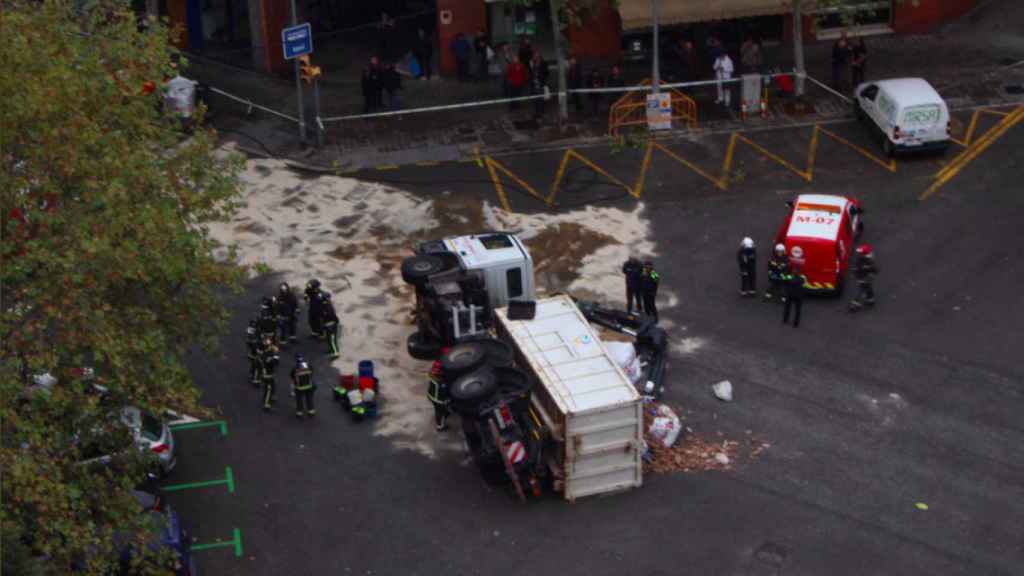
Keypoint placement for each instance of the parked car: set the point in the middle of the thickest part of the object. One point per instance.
(150, 434)
(818, 234)
(906, 113)
(165, 531)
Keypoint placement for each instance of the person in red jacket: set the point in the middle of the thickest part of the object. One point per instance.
(517, 77)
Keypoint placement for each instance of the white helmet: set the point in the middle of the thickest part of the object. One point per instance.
(780, 249)
(747, 242)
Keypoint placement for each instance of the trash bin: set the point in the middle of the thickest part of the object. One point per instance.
(366, 368)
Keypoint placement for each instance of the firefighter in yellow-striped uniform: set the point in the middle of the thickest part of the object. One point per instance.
(302, 382)
(437, 393)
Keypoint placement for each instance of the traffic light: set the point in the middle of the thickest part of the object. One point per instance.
(307, 71)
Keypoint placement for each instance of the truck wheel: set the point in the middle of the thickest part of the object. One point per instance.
(512, 382)
(416, 269)
(422, 346)
(472, 389)
(463, 358)
(498, 353)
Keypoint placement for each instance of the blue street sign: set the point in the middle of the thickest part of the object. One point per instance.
(297, 40)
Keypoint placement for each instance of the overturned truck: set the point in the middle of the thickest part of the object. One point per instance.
(542, 403)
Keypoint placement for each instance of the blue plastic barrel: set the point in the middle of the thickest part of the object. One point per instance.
(366, 368)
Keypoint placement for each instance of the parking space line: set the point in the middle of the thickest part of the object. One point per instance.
(570, 154)
(493, 166)
(222, 424)
(890, 165)
(236, 542)
(229, 480)
(805, 174)
(972, 152)
(719, 182)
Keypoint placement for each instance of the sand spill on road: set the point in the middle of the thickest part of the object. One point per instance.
(353, 235)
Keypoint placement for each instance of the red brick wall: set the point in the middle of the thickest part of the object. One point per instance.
(468, 17)
(277, 16)
(928, 14)
(599, 38)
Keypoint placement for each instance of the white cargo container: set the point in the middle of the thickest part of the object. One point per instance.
(582, 396)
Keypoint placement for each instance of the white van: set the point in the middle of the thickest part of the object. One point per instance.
(907, 112)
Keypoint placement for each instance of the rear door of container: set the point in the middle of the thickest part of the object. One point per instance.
(603, 450)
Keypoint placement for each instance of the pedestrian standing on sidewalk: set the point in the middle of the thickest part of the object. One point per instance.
(859, 61)
(595, 81)
(575, 74)
(391, 82)
(747, 259)
(424, 52)
(518, 77)
(723, 73)
(502, 60)
(840, 63)
(525, 51)
(538, 84)
(751, 56)
(371, 86)
(460, 49)
(482, 48)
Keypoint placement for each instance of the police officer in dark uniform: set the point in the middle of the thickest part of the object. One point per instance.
(329, 324)
(649, 287)
(437, 393)
(864, 270)
(252, 346)
(778, 267)
(287, 312)
(747, 259)
(633, 271)
(302, 382)
(268, 365)
(794, 283)
(312, 296)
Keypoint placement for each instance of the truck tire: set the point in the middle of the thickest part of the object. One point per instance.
(471, 390)
(498, 353)
(513, 382)
(463, 359)
(422, 346)
(416, 269)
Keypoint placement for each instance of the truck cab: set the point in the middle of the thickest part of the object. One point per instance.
(459, 282)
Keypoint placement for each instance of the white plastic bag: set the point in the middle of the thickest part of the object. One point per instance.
(180, 97)
(624, 355)
(665, 427)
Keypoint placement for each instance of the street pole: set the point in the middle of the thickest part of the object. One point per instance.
(655, 64)
(798, 47)
(563, 101)
(316, 113)
(298, 82)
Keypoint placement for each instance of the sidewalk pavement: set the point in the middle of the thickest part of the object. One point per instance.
(965, 65)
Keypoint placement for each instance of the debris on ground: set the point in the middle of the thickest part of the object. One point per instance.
(693, 453)
(664, 427)
(723, 390)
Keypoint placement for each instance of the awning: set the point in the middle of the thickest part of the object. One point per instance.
(637, 13)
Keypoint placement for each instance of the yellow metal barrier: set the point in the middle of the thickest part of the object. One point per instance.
(631, 109)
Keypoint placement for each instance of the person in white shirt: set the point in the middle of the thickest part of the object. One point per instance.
(723, 71)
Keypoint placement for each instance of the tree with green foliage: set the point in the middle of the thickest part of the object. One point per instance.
(106, 265)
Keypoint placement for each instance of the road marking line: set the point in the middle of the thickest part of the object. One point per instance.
(718, 182)
(387, 167)
(229, 479)
(970, 154)
(994, 112)
(771, 155)
(493, 167)
(236, 542)
(222, 424)
(569, 154)
(476, 156)
(890, 165)
(428, 163)
(641, 179)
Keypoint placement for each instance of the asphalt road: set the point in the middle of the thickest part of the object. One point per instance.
(915, 401)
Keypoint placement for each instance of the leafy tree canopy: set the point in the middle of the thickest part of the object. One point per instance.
(105, 265)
